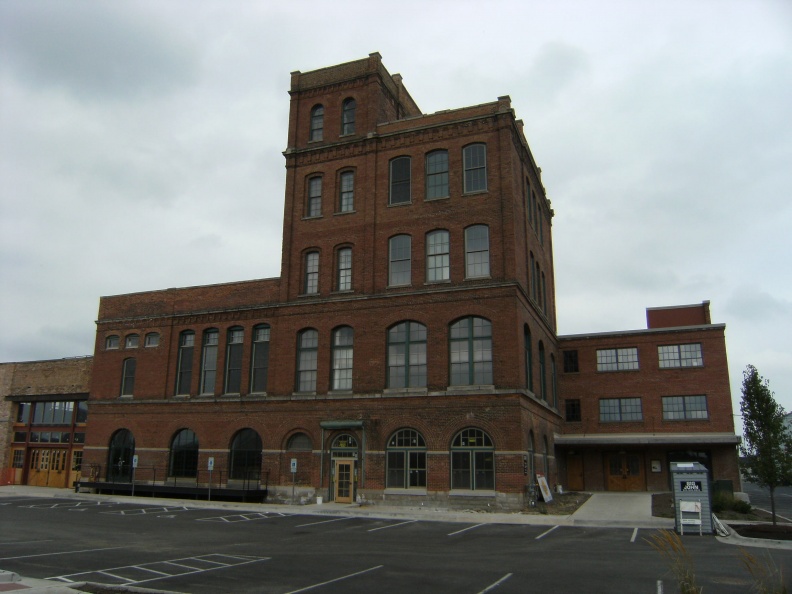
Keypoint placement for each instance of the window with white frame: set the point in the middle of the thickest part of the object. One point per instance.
(437, 175)
(307, 349)
(233, 371)
(477, 262)
(343, 341)
(128, 377)
(211, 339)
(348, 116)
(259, 359)
(684, 408)
(475, 163)
(620, 410)
(437, 256)
(185, 362)
(132, 341)
(680, 355)
(617, 359)
(400, 265)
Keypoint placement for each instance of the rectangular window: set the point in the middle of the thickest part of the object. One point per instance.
(347, 196)
(315, 197)
(437, 257)
(477, 264)
(20, 436)
(680, 355)
(617, 359)
(437, 175)
(573, 410)
(571, 362)
(344, 282)
(19, 459)
(400, 180)
(311, 273)
(684, 408)
(475, 162)
(233, 374)
(400, 261)
(132, 341)
(306, 360)
(260, 359)
(23, 412)
(620, 410)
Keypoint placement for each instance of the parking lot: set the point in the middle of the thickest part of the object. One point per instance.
(184, 549)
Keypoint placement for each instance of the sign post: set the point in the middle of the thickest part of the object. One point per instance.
(134, 466)
(211, 468)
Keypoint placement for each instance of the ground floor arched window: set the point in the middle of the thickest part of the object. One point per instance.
(406, 460)
(245, 462)
(184, 455)
(119, 458)
(472, 461)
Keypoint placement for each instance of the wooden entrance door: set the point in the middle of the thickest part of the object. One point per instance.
(575, 472)
(625, 472)
(344, 481)
(47, 467)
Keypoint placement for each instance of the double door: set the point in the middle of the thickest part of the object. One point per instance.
(47, 467)
(624, 471)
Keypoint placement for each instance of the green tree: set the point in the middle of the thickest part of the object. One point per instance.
(766, 449)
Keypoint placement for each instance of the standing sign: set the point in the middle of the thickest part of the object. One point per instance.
(544, 488)
(210, 464)
(294, 465)
(294, 475)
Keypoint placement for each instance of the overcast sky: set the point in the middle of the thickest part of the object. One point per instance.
(140, 149)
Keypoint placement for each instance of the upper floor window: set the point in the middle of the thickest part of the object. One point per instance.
(528, 207)
(314, 207)
(344, 276)
(573, 414)
(680, 355)
(437, 174)
(112, 342)
(407, 355)
(307, 349)
(128, 377)
(437, 256)
(317, 123)
(571, 361)
(400, 180)
(553, 381)
(346, 198)
(233, 370)
(477, 262)
(211, 339)
(152, 339)
(343, 339)
(400, 260)
(185, 362)
(684, 408)
(311, 279)
(617, 359)
(471, 352)
(53, 413)
(132, 341)
(259, 360)
(348, 117)
(475, 163)
(528, 347)
(542, 372)
(620, 409)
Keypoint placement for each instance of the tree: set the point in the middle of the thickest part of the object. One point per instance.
(766, 450)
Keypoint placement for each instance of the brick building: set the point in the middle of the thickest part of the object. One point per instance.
(408, 350)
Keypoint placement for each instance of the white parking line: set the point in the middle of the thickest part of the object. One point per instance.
(635, 534)
(496, 584)
(244, 517)
(465, 529)
(545, 533)
(335, 580)
(59, 553)
(19, 542)
(325, 522)
(146, 510)
(767, 511)
(392, 525)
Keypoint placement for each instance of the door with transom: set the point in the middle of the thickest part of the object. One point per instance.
(624, 471)
(344, 481)
(47, 467)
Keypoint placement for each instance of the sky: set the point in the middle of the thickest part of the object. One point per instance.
(141, 148)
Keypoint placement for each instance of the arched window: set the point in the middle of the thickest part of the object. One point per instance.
(542, 374)
(400, 260)
(471, 352)
(477, 255)
(472, 461)
(307, 347)
(406, 460)
(528, 357)
(233, 363)
(317, 123)
(128, 377)
(184, 455)
(343, 342)
(314, 204)
(119, 456)
(437, 174)
(245, 462)
(400, 180)
(311, 272)
(299, 442)
(112, 342)
(344, 269)
(438, 265)
(553, 382)
(532, 274)
(132, 341)
(346, 196)
(152, 339)
(184, 366)
(211, 339)
(475, 163)
(344, 446)
(259, 359)
(407, 355)
(348, 116)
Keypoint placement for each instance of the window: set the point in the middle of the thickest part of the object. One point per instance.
(573, 410)
(19, 459)
(343, 339)
(678, 408)
(400, 260)
(617, 359)
(477, 251)
(23, 412)
(311, 281)
(532, 274)
(406, 460)
(317, 123)
(400, 180)
(553, 381)
(544, 294)
(571, 362)
(184, 369)
(536, 286)
(348, 116)
(111, 342)
(527, 345)
(680, 355)
(299, 442)
(471, 352)
(314, 208)
(475, 162)
(128, 377)
(211, 339)
(472, 461)
(119, 456)
(344, 446)
(344, 278)
(82, 411)
(620, 409)
(437, 257)
(184, 455)
(245, 459)
(346, 198)
(53, 413)
(528, 207)
(233, 363)
(152, 339)
(132, 341)
(259, 359)
(542, 373)
(437, 175)
(77, 457)
(307, 347)
(407, 355)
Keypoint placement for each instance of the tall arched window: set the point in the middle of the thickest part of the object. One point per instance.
(346, 196)
(211, 338)
(299, 442)
(317, 123)
(184, 455)
(233, 363)
(348, 116)
(407, 355)
(119, 456)
(477, 254)
(245, 462)
(471, 352)
(542, 374)
(475, 163)
(528, 357)
(259, 359)
(314, 202)
(437, 174)
(128, 377)
(307, 348)
(184, 366)
(400, 180)
(344, 269)
(343, 342)
(400, 260)
(472, 461)
(406, 460)
(553, 382)
(311, 274)
(438, 265)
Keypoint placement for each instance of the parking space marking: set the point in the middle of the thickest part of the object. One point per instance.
(325, 522)
(59, 553)
(634, 535)
(71, 505)
(345, 577)
(496, 584)
(392, 525)
(465, 529)
(545, 533)
(19, 542)
(146, 510)
(245, 517)
(210, 562)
